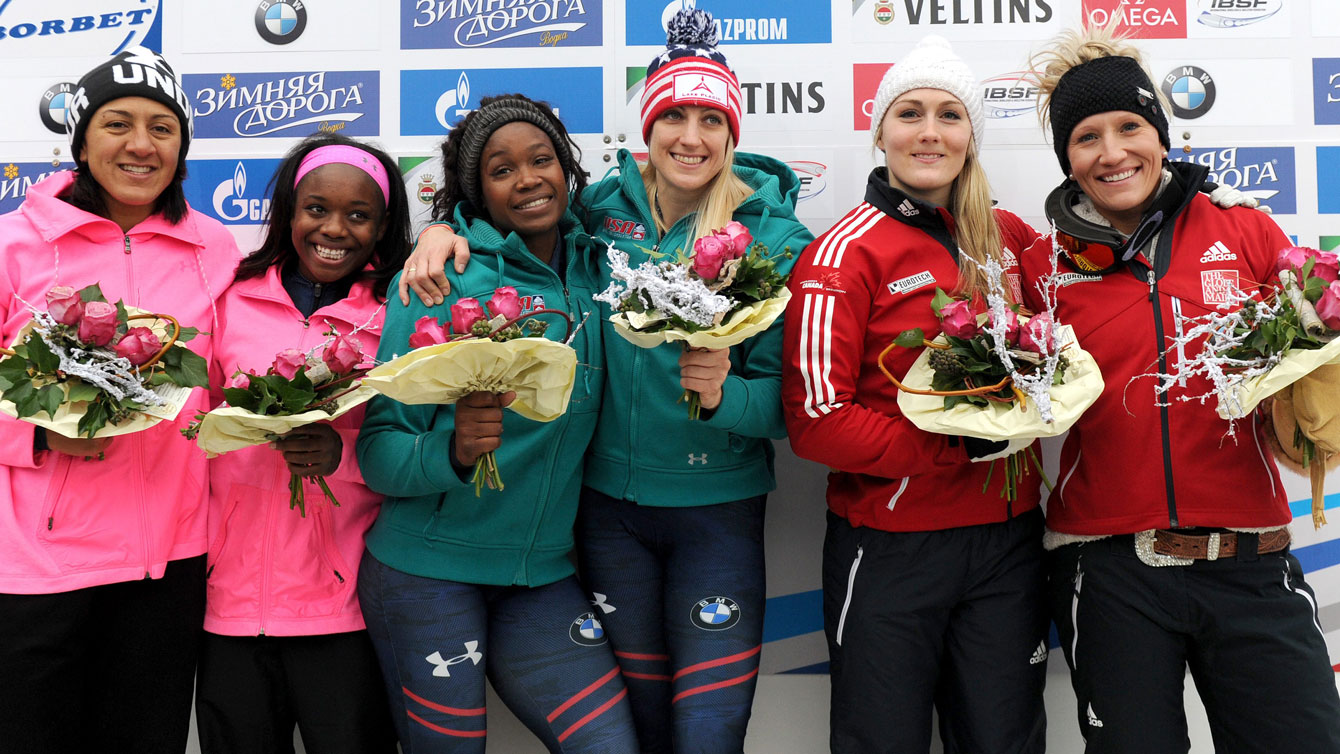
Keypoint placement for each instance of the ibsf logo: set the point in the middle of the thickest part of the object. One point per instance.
(53, 104)
(1147, 19)
(233, 191)
(453, 104)
(1265, 173)
(427, 24)
(1191, 91)
(626, 228)
(1010, 95)
(812, 175)
(715, 614)
(18, 178)
(587, 631)
(280, 22)
(285, 104)
(1228, 14)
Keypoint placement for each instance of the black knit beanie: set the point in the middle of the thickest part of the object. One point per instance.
(1099, 86)
(136, 72)
(490, 117)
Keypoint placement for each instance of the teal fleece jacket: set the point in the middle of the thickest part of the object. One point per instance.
(646, 449)
(431, 524)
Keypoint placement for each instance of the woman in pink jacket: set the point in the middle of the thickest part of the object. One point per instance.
(285, 642)
(102, 541)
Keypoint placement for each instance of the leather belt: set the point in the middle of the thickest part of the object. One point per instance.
(1168, 547)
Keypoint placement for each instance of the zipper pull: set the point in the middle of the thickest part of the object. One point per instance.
(51, 520)
(338, 576)
(305, 323)
(127, 244)
(1151, 285)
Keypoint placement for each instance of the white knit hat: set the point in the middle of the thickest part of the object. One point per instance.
(932, 64)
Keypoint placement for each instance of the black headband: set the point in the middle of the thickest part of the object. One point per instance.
(1099, 86)
(491, 117)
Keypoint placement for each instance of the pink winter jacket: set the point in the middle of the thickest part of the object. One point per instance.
(67, 523)
(271, 571)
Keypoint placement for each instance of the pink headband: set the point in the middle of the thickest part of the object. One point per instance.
(347, 155)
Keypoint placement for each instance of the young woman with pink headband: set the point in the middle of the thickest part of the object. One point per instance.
(284, 640)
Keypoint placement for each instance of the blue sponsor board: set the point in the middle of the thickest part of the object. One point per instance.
(434, 101)
(233, 192)
(466, 24)
(739, 21)
(1267, 173)
(285, 105)
(1328, 180)
(102, 27)
(1326, 91)
(17, 177)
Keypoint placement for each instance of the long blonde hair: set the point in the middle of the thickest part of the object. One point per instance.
(718, 205)
(1073, 48)
(975, 229)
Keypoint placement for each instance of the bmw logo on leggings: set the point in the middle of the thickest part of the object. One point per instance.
(586, 631)
(715, 614)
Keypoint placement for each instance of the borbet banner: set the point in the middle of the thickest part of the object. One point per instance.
(478, 24)
(279, 26)
(82, 29)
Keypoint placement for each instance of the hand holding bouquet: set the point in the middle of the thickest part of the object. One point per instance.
(298, 389)
(727, 292)
(475, 353)
(84, 366)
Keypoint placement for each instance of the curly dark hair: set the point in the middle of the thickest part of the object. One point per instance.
(465, 142)
(389, 254)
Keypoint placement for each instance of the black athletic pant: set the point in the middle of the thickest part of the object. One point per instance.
(103, 669)
(253, 690)
(953, 619)
(1245, 626)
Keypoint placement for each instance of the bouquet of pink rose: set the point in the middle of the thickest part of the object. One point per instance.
(478, 353)
(299, 388)
(82, 365)
(726, 292)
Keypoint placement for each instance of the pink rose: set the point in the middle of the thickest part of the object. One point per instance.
(464, 314)
(139, 344)
(1294, 257)
(505, 302)
(958, 320)
(709, 253)
(738, 236)
(1328, 306)
(97, 326)
(288, 362)
(64, 304)
(1037, 335)
(343, 354)
(427, 332)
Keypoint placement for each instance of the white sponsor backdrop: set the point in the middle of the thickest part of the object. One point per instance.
(808, 70)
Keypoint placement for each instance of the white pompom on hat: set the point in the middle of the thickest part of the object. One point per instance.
(932, 64)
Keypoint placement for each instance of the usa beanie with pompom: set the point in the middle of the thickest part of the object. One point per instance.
(691, 71)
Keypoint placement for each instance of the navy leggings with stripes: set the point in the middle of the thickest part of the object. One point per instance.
(681, 592)
(541, 647)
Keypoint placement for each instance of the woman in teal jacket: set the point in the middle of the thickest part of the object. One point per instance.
(670, 531)
(456, 586)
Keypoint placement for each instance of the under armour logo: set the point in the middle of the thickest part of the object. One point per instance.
(443, 669)
(600, 602)
(697, 459)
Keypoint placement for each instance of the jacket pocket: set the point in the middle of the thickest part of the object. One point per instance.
(309, 578)
(81, 529)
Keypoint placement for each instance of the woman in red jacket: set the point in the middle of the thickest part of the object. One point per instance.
(285, 641)
(1169, 541)
(933, 581)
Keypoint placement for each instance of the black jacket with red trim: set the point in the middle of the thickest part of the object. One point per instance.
(1128, 464)
(855, 288)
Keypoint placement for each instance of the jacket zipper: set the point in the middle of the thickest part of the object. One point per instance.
(846, 603)
(1163, 409)
(265, 563)
(136, 442)
(127, 239)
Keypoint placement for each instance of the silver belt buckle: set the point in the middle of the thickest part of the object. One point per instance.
(1144, 550)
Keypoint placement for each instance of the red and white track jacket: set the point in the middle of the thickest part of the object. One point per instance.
(1128, 465)
(855, 288)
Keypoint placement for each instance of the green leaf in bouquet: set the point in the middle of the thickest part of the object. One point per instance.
(78, 390)
(910, 338)
(24, 397)
(94, 419)
(291, 395)
(187, 333)
(185, 367)
(122, 317)
(244, 398)
(1313, 287)
(49, 397)
(14, 368)
(41, 356)
(92, 293)
(940, 300)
